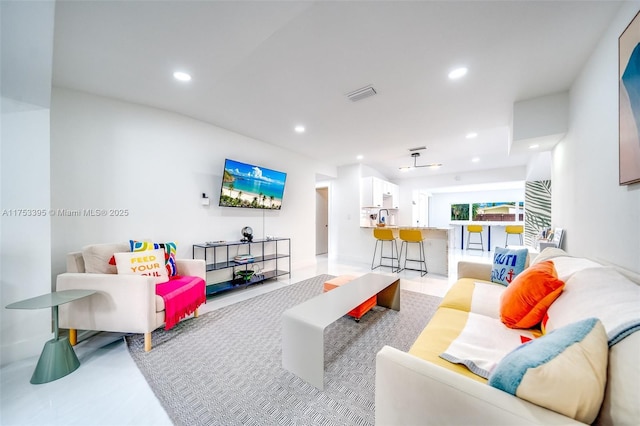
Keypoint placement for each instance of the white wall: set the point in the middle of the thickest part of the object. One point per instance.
(348, 242)
(25, 240)
(601, 219)
(540, 118)
(108, 154)
(366, 171)
(539, 167)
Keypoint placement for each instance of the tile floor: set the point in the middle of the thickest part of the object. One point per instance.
(108, 389)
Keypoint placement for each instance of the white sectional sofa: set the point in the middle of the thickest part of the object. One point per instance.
(421, 388)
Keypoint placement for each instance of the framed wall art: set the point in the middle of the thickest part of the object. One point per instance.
(629, 103)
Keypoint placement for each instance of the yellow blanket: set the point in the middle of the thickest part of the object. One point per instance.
(451, 319)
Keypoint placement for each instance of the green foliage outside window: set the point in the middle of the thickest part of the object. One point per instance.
(459, 211)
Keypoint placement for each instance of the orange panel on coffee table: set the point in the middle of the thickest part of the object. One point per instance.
(359, 310)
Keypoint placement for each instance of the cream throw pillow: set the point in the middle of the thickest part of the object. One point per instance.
(96, 257)
(564, 371)
(148, 263)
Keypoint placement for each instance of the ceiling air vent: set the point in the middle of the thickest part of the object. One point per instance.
(362, 93)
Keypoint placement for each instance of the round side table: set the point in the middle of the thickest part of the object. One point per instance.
(57, 358)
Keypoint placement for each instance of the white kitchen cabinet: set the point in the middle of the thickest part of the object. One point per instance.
(394, 191)
(371, 192)
(386, 188)
(375, 192)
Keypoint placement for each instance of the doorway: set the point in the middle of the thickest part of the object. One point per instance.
(322, 220)
(420, 210)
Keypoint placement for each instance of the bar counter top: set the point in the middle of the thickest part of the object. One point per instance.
(436, 245)
(394, 227)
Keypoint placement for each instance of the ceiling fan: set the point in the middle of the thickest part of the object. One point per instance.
(415, 156)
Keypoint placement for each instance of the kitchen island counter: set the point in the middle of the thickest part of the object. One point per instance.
(436, 245)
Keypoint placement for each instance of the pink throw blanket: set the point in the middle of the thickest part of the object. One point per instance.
(182, 296)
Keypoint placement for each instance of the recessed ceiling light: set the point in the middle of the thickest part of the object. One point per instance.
(457, 73)
(475, 159)
(299, 129)
(181, 76)
(471, 135)
(360, 157)
(534, 146)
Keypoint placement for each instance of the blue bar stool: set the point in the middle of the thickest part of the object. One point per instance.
(382, 236)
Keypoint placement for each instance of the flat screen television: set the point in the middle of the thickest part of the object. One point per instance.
(250, 186)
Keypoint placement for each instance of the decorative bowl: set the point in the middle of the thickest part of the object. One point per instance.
(245, 275)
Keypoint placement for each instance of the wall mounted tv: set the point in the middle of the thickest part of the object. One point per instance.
(250, 186)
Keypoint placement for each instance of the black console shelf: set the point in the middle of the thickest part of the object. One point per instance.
(267, 252)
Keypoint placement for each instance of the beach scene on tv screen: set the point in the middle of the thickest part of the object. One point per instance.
(246, 185)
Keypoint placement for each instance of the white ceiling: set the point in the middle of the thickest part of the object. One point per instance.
(260, 68)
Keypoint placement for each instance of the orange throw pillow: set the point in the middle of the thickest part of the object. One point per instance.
(525, 301)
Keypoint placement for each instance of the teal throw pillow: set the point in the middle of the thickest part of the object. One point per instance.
(507, 264)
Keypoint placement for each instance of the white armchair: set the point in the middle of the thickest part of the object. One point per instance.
(123, 303)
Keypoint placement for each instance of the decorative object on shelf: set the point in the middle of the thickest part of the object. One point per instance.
(247, 233)
(552, 239)
(245, 275)
(244, 258)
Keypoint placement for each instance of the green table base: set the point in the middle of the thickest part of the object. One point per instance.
(57, 360)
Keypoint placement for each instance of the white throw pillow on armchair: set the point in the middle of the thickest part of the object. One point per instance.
(147, 263)
(96, 257)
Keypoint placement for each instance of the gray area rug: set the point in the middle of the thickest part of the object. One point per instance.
(225, 367)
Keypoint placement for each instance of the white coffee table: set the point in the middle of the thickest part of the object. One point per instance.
(303, 325)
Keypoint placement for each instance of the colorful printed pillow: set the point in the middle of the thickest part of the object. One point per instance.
(564, 371)
(169, 248)
(525, 301)
(148, 263)
(507, 264)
